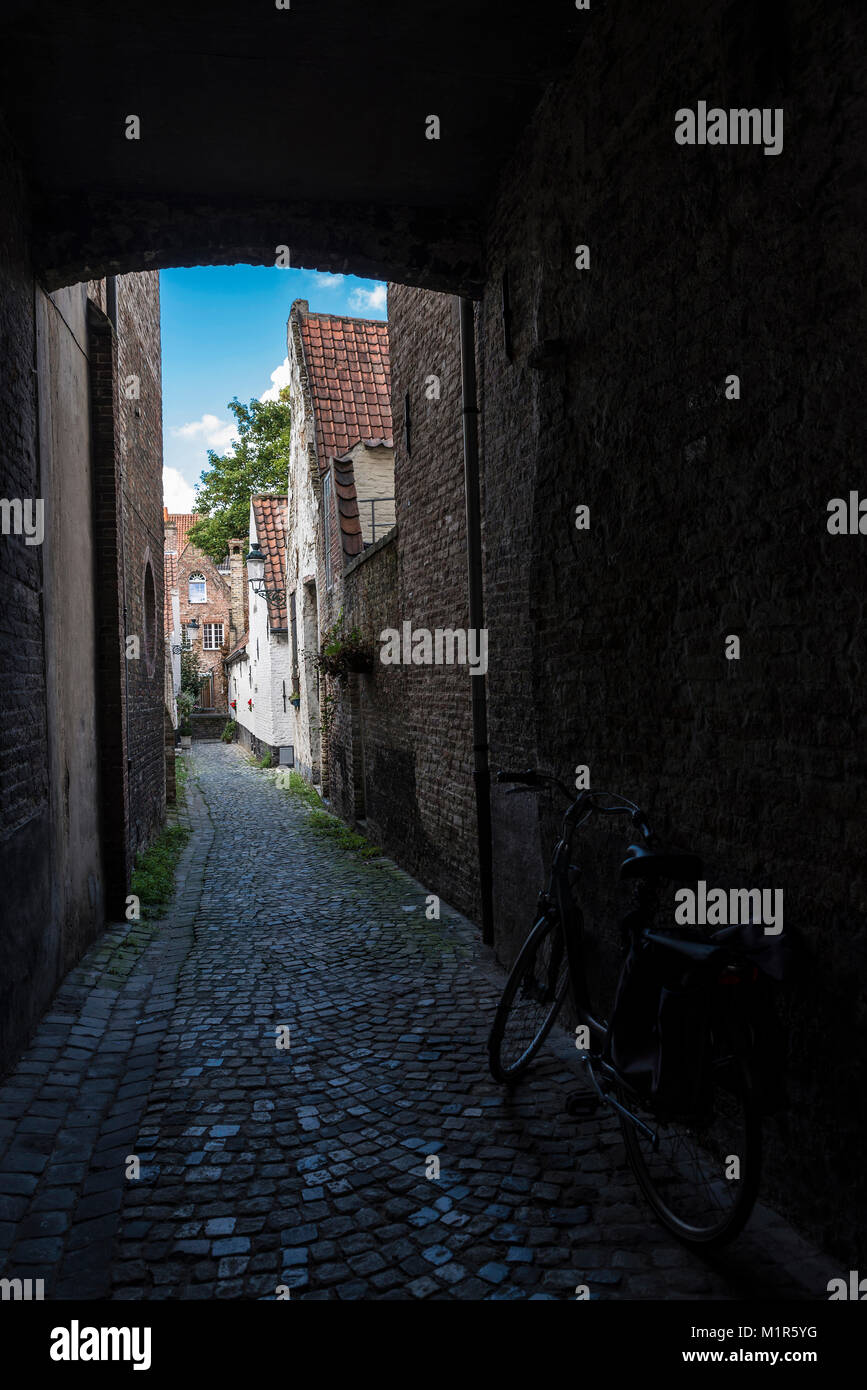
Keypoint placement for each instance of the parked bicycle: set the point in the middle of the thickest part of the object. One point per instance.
(679, 1059)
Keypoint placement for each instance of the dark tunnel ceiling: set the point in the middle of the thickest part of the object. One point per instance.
(325, 101)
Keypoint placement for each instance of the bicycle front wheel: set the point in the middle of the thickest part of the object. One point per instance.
(702, 1179)
(531, 1000)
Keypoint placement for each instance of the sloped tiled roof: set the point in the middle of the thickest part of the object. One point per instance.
(170, 571)
(269, 514)
(347, 507)
(183, 521)
(237, 652)
(349, 374)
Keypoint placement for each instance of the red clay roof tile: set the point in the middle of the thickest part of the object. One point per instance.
(350, 380)
(183, 521)
(269, 514)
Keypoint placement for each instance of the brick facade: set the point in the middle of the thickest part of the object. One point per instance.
(81, 748)
(605, 387)
(405, 730)
(25, 817)
(224, 603)
(340, 451)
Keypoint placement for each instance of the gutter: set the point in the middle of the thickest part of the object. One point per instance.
(478, 684)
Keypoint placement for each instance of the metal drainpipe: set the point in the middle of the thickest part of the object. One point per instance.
(478, 692)
(111, 314)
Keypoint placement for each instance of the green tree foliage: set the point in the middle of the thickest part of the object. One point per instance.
(191, 673)
(258, 462)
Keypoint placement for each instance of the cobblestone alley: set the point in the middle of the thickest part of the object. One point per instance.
(307, 1168)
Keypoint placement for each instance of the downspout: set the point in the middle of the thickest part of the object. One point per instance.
(111, 314)
(478, 692)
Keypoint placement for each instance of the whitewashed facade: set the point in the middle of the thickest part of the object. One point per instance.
(260, 670)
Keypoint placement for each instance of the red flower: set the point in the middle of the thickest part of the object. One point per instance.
(234, 704)
(250, 704)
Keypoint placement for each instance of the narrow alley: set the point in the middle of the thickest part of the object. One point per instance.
(304, 1171)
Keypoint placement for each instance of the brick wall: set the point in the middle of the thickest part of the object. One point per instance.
(708, 515)
(61, 627)
(405, 730)
(367, 744)
(431, 519)
(140, 440)
(24, 811)
(218, 608)
(109, 603)
(708, 518)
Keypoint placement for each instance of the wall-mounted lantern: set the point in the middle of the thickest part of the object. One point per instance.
(255, 562)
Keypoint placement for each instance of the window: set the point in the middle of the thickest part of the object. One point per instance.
(212, 636)
(326, 510)
(198, 588)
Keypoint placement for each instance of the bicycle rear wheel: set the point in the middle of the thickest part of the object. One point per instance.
(692, 1182)
(531, 1000)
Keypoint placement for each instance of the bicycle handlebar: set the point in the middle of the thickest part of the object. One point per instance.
(531, 778)
(585, 801)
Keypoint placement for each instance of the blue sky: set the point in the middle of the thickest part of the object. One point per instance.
(224, 335)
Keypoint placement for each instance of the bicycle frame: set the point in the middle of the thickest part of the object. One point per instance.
(558, 897)
(572, 919)
(647, 1103)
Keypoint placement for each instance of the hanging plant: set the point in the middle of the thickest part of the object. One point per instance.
(343, 651)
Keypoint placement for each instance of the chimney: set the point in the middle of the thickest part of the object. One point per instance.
(238, 588)
(171, 530)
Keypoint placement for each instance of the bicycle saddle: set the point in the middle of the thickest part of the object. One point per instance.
(660, 863)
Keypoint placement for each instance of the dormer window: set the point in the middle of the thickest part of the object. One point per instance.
(198, 588)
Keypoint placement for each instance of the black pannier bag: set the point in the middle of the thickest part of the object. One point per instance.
(772, 957)
(659, 1033)
(660, 1030)
(680, 1077)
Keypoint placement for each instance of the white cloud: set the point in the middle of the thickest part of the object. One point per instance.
(178, 494)
(279, 379)
(215, 433)
(324, 280)
(376, 298)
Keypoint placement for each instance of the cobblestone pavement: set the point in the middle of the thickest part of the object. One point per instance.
(307, 1167)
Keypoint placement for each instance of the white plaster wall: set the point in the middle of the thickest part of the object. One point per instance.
(177, 640)
(240, 690)
(374, 477)
(304, 513)
(261, 677)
